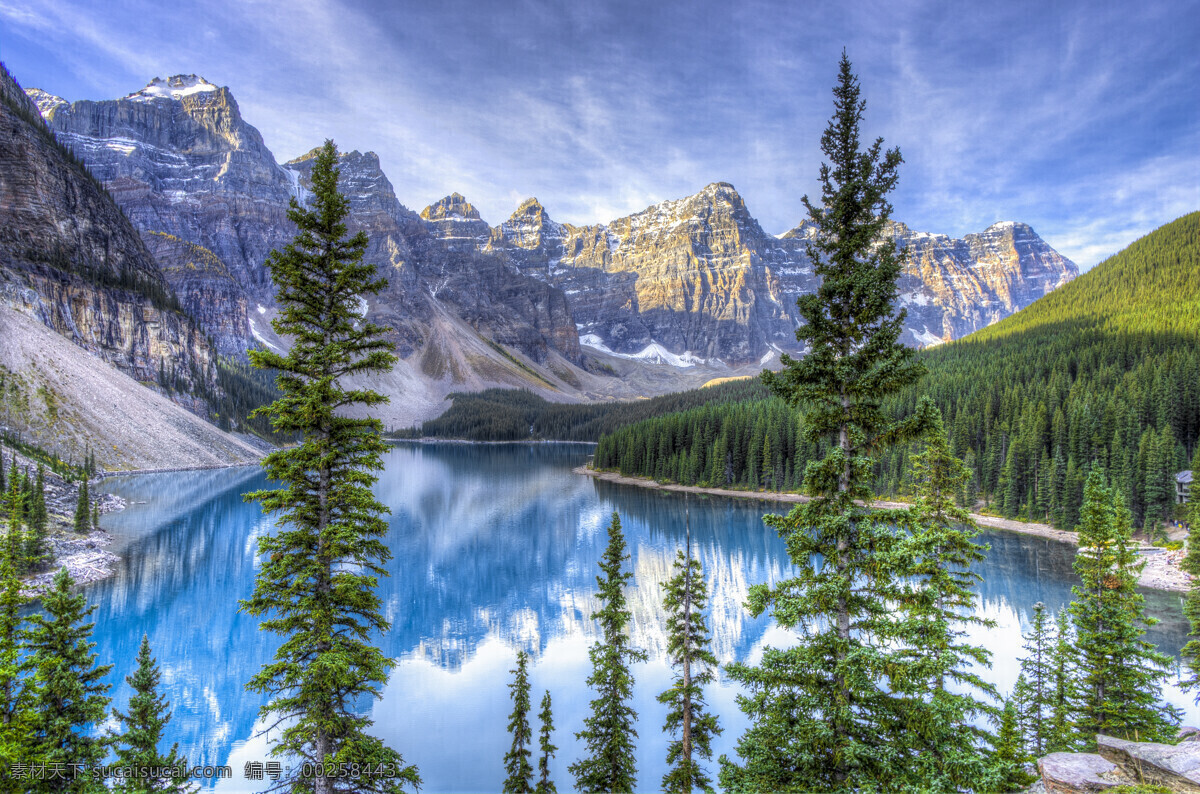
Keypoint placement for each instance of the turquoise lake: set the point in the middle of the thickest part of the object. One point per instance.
(495, 550)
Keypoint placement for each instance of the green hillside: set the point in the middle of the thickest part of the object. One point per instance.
(1104, 372)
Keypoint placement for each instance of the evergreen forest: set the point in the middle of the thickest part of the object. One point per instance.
(1102, 374)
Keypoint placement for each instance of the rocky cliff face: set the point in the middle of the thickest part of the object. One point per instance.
(682, 282)
(69, 257)
(206, 290)
(434, 265)
(952, 287)
(695, 278)
(698, 278)
(178, 158)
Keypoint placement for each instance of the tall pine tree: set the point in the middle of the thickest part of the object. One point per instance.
(519, 773)
(948, 749)
(1034, 703)
(136, 745)
(316, 587)
(822, 715)
(608, 734)
(68, 694)
(1191, 564)
(14, 712)
(688, 649)
(83, 510)
(546, 748)
(1120, 673)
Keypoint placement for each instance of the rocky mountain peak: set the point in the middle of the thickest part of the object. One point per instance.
(530, 227)
(451, 208)
(46, 102)
(174, 88)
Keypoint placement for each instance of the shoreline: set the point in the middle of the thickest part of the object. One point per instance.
(1161, 571)
(204, 467)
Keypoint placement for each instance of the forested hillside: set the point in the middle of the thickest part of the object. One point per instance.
(518, 415)
(1104, 372)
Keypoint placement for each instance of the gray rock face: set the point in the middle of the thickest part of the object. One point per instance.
(699, 275)
(1175, 766)
(179, 159)
(1079, 773)
(952, 287)
(70, 257)
(695, 276)
(206, 290)
(434, 265)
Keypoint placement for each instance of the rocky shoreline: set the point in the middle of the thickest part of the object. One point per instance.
(1162, 570)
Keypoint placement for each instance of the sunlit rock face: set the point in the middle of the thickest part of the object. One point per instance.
(698, 277)
(682, 282)
(952, 287)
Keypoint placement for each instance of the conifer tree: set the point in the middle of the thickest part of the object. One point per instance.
(1037, 672)
(316, 587)
(1193, 493)
(947, 749)
(546, 748)
(83, 512)
(136, 746)
(519, 779)
(1010, 757)
(1060, 733)
(38, 516)
(688, 649)
(14, 712)
(821, 712)
(68, 694)
(1191, 564)
(608, 734)
(1120, 674)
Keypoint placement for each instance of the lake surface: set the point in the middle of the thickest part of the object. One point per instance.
(495, 550)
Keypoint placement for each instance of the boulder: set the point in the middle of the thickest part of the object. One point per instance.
(1176, 766)
(1070, 773)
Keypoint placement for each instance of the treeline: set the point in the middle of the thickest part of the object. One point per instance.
(518, 415)
(1102, 374)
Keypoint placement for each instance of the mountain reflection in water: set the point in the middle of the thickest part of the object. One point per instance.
(494, 550)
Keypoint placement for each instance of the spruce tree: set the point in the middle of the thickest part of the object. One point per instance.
(608, 734)
(519, 773)
(546, 748)
(1060, 733)
(83, 512)
(136, 746)
(1191, 564)
(1120, 674)
(68, 694)
(1010, 757)
(688, 649)
(940, 686)
(316, 587)
(1038, 674)
(822, 715)
(14, 712)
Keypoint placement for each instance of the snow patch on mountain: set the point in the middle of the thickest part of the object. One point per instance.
(176, 87)
(653, 352)
(926, 338)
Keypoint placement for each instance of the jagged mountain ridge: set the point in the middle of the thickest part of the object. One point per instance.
(693, 282)
(87, 313)
(699, 276)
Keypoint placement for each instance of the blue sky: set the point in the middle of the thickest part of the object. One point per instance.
(1079, 118)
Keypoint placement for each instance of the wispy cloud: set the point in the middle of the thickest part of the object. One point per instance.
(1077, 118)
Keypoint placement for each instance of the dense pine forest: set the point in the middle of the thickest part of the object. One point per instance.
(519, 415)
(1103, 373)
